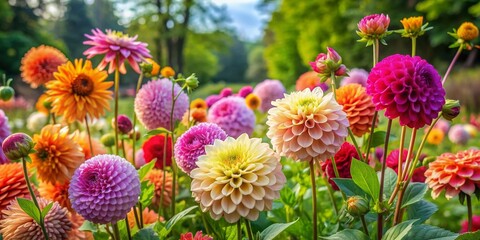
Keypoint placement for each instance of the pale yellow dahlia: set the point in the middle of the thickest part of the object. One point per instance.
(307, 125)
(237, 178)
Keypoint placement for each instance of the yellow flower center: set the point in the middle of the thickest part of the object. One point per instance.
(82, 85)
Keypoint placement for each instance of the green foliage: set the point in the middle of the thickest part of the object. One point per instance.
(142, 172)
(146, 234)
(470, 236)
(347, 234)
(365, 177)
(421, 210)
(273, 230)
(427, 232)
(414, 193)
(399, 231)
(29, 208)
(349, 187)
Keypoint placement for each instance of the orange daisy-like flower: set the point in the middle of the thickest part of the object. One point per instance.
(196, 114)
(198, 103)
(12, 184)
(82, 139)
(454, 173)
(436, 136)
(359, 107)
(79, 90)
(57, 154)
(57, 192)
(148, 216)
(167, 72)
(39, 64)
(253, 101)
(155, 67)
(155, 176)
(467, 31)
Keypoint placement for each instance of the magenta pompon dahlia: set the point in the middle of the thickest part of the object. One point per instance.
(153, 104)
(104, 189)
(406, 87)
(4, 133)
(117, 47)
(233, 116)
(268, 91)
(191, 144)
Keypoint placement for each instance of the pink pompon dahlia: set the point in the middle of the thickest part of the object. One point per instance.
(307, 125)
(392, 162)
(198, 236)
(104, 189)
(233, 116)
(406, 87)
(268, 91)
(454, 173)
(475, 224)
(191, 144)
(153, 104)
(373, 26)
(117, 47)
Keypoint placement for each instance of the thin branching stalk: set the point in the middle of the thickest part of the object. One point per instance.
(382, 182)
(314, 199)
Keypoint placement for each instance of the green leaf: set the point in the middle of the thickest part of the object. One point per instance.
(421, 210)
(287, 196)
(399, 231)
(146, 193)
(142, 172)
(146, 234)
(169, 225)
(347, 186)
(347, 234)
(29, 208)
(273, 230)
(158, 131)
(470, 236)
(427, 232)
(390, 181)
(88, 226)
(378, 138)
(414, 193)
(365, 177)
(231, 232)
(101, 236)
(46, 209)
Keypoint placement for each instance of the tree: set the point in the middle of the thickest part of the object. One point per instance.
(75, 25)
(233, 63)
(102, 15)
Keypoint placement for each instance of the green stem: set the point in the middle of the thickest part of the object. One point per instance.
(140, 208)
(314, 199)
(376, 52)
(174, 165)
(164, 180)
(123, 149)
(382, 182)
(354, 141)
(54, 121)
(134, 131)
(34, 198)
(137, 220)
(127, 226)
(249, 229)
(204, 220)
(239, 230)
(334, 87)
(364, 224)
(330, 190)
(89, 137)
(116, 231)
(409, 164)
(117, 86)
(414, 46)
(450, 67)
(400, 153)
(469, 209)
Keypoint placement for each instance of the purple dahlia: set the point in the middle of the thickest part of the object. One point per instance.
(268, 91)
(233, 116)
(4, 133)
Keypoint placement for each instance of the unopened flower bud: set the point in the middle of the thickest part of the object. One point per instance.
(341, 71)
(146, 68)
(124, 124)
(467, 31)
(357, 206)
(333, 55)
(192, 81)
(47, 105)
(108, 140)
(451, 109)
(17, 145)
(137, 135)
(6, 93)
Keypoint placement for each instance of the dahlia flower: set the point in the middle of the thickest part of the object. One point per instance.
(253, 101)
(475, 224)
(198, 103)
(117, 48)
(244, 91)
(268, 91)
(167, 72)
(17, 224)
(78, 91)
(148, 217)
(57, 154)
(392, 162)
(153, 104)
(39, 64)
(212, 99)
(17, 146)
(307, 125)
(154, 148)
(406, 87)
(326, 64)
(226, 92)
(233, 116)
(458, 135)
(198, 236)
(197, 115)
(436, 136)
(12, 184)
(413, 27)
(355, 75)
(343, 159)
(139, 159)
(57, 192)
(155, 177)
(374, 26)
(124, 124)
(359, 107)
(237, 178)
(191, 144)
(309, 80)
(472, 130)
(467, 31)
(83, 140)
(443, 125)
(36, 121)
(104, 189)
(454, 173)
(4, 133)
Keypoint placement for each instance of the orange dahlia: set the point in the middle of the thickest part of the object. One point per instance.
(359, 107)
(309, 80)
(148, 216)
(57, 154)
(57, 192)
(199, 103)
(78, 90)
(455, 173)
(82, 139)
(155, 176)
(39, 64)
(12, 184)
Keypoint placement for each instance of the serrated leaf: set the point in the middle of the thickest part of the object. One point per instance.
(29, 208)
(414, 193)
(427, 232)
(158, 131)
(347, 186)
(273, 230)
(390, 181)
(469, 236)
(398, 232)
(421, 210)
(88, 226)
(142, 172)
(146, 234)
(146, 193)
(46, 209)
(347, 234)
(365, 177)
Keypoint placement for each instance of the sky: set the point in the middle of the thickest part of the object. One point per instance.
(246, 18)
